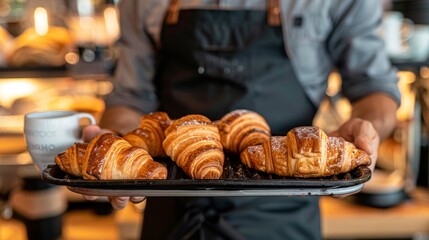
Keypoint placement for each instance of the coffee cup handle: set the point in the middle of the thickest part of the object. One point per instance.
(88, 116)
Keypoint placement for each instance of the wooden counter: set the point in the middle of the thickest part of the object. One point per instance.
(343, 219)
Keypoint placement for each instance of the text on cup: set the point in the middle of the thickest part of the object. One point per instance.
(41, 134)
(42, 147)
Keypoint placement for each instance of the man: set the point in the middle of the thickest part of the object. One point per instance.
(273, 57)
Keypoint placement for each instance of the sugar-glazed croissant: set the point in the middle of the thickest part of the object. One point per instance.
(150, 133)
(109, 156)
(305, 152)
(193, 142)
(242, 128)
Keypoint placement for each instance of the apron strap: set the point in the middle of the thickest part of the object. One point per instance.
(173, 12)
(273, 12)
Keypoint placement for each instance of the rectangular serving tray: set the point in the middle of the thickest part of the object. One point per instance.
(237, 180)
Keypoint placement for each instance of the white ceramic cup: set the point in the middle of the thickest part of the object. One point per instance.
(397, 30)
(49, 133)
(419, 43)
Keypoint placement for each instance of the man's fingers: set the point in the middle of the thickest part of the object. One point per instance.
(119, 203)
(90, 198)
(89, 132)
(369, 141)
(137, 199)
(364, 143)
(334, 134)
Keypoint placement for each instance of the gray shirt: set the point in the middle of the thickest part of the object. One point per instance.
(330, 34)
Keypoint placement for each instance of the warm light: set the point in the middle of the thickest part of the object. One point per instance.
(41, 21)
(424, 72)
(334, 84)
(11, 124)
(16, 88)
(72, 58)
(87, 23)
(23, 158)
(406, 77)
(332, 113)
(112, 23)
(408, 96)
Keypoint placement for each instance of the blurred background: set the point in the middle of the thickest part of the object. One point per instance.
(60, 54)
(53, 55)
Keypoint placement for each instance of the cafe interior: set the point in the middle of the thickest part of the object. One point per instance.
(62, 55)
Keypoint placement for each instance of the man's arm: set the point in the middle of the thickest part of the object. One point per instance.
(373, 118)
(133, 89)
(359, 54)
(380, 110)
(368, 79)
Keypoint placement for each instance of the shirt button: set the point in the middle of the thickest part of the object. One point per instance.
(201, 70)
(226, 70)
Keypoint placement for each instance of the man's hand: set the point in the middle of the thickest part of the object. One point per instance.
(118, 203)
(362, 134)
(91, 131)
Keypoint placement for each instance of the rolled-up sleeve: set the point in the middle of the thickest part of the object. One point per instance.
(359, 52)
(133, 79)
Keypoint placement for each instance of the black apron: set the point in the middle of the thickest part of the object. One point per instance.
(212, 62)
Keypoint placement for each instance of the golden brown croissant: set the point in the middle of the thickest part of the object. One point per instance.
(150, 133)
(109, 156)
(72, 159)
(242, 128)
(193, 142)
(305, 152)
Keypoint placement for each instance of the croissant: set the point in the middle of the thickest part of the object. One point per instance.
(150, 133)
(242, 128)
(109, 156)
(193, 142)
(305, 152)
(72, 159)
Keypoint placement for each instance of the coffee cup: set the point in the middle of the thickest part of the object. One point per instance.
(49, 133)
(397, 31)
(419, 43)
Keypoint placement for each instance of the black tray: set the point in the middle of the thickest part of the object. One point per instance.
(237, 180)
